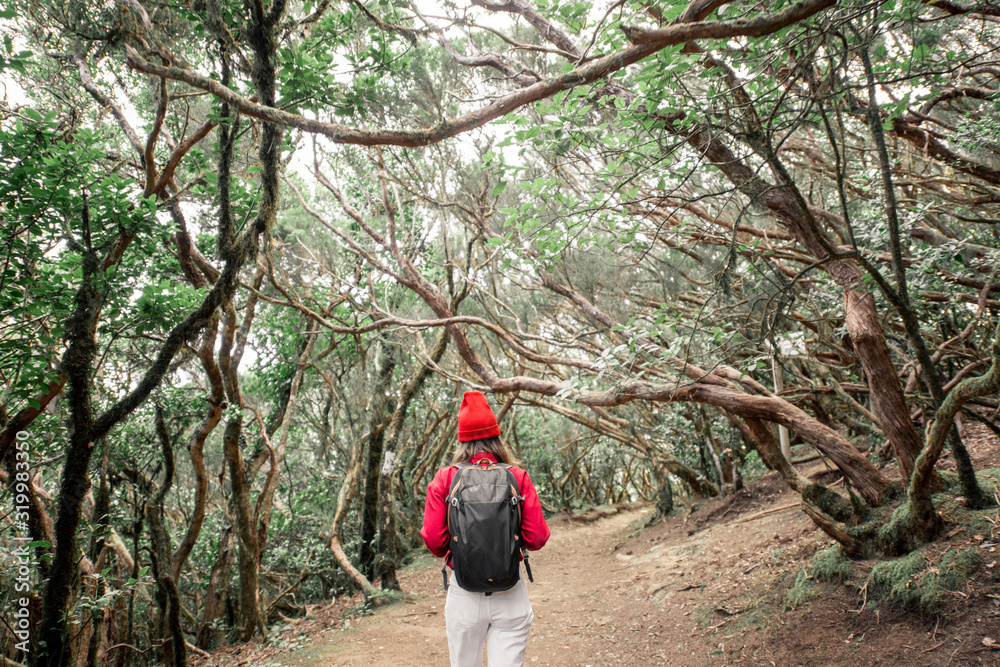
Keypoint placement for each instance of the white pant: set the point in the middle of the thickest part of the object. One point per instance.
(501, 620)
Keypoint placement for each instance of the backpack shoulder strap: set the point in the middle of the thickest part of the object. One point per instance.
(513, 480)
(457, 478)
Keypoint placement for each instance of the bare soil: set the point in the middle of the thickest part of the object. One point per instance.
(707, 586)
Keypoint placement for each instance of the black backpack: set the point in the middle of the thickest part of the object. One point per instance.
(484, 521)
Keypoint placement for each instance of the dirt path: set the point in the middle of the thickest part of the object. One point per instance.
(603, 596)
(701, 589)
(570, 627)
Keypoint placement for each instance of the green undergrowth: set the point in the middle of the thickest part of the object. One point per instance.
(917, 582)
(702, 617)
(888, 530)
(752, 610)
(802, 591)
(379, 598)
(285, 635)
(827, 565)
(920, 580)
(829, 502)
(830, 564)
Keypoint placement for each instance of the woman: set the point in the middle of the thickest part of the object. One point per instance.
(501, 619)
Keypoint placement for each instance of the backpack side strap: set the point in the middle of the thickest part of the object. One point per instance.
(518, 499)
(449, 501)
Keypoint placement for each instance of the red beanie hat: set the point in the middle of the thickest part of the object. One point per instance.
(475, 418)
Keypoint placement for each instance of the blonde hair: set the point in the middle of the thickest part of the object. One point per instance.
(493, 445)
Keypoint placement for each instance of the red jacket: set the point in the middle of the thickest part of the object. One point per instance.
(534, 530)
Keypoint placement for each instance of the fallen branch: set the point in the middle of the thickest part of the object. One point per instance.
(936, 646)
(773, 510)
(192, 647)
(302, 577)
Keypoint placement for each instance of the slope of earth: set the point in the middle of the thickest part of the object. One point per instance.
(708, 586)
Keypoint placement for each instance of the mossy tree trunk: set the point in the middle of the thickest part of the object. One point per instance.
(924, 519)
(378, 416)
(664, 491)
(173, 649)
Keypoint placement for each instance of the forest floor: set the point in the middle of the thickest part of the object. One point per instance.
(707, 586)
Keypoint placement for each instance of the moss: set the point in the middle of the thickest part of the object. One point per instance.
(913, 581)
(953, 508)
(754, 619)
(956, 568)
(893, 490)
(829, 502)
(898, 527)
(864, 533)
(802, 591)
(860, 508)
(910, 582)
(950, 482)
(831, 565)
(886, 531)
(893, 581)
(890, 530)
(973, 522)
(989, 478)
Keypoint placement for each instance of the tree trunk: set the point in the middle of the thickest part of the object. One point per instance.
(757, 432)
(664, 491)
(924, 518)
(249, 617)
(98, 548)
(862, 319)
(249, 613)
(77, 363)
(967, 474)
(378, 407)
(718, 466)
(388, 557)
(215, 594)
(779, 383)
(174, 650)
(196, 449)
(344, 498)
